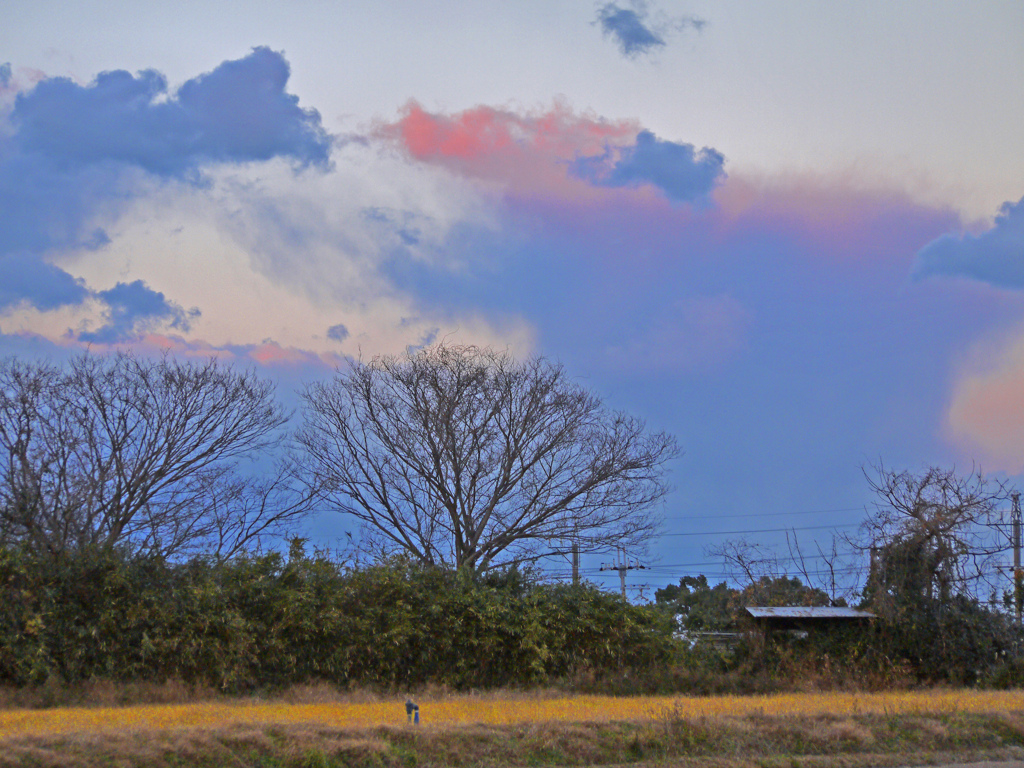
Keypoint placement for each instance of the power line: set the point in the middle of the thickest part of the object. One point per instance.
(668, 567)
(763, 530)
(760, 561)
(765, 514)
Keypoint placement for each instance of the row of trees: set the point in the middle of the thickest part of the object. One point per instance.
(270, 621)
(456, 456)
(259, 621)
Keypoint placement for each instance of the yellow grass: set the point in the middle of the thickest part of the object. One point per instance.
(496, 710)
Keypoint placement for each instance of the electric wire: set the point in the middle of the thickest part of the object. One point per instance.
(763, 530)
(765, 514)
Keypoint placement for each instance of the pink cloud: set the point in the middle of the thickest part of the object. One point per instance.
(267, 353)
(15, 82)
(176, 345)
(484, 132)
(528, 154)
(472, 134)
(986, 412)
(272, 353)
(20, 79)
(833, 216)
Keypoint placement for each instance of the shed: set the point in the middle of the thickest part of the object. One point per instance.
(801, 618)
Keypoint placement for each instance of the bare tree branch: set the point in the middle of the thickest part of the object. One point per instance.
(134, 452)
(463, 456)
(933, 531)
(746, 561)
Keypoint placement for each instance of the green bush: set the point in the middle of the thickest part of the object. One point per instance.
(271, 621)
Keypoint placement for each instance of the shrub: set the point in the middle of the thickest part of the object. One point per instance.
(273, 621)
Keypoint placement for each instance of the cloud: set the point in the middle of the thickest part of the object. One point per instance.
(548, 154)
(836, 217)
(239, 112)
(986, 414)
(592, 247)
(552, 225)
(337, 332)
(134, 309)
(43, 285)
(995, 257)
(633, 30)
(681, 172)
(487, 140)
(268, 352)
(44, 207)
(401, 223)
(626, 27)
(70, 154)
(13, 81)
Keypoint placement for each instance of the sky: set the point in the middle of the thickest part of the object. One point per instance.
(791, 234)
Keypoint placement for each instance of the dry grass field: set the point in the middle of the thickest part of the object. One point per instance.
(314, 727)
(501, 709)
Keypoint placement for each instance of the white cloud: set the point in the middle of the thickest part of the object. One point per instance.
(265, 253)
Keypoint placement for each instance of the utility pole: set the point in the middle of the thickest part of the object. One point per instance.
(1018, 574)
(575, 564)
(622, 564)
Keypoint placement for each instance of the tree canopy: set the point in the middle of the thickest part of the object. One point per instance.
(700, 607)
(466, 457)
(134, 452)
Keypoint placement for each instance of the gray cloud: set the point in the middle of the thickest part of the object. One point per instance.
(995, 256)
(239, 112)
(337, 332)
(635, 32)
(68, 151)
(134, 309)
(679, 170)
(43, 285)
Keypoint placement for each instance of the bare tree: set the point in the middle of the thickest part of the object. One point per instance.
(838, 573)
(745, 561)
(762, 579)
(242, 510)
(932, 540)
(465, 457)
(753, 565)
(933, 532)
(128, 451)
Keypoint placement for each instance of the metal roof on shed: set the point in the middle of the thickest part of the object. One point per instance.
(805, 612)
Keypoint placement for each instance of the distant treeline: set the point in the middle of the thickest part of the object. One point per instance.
(261, 622)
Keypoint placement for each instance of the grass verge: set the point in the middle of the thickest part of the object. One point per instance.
(763, 741)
